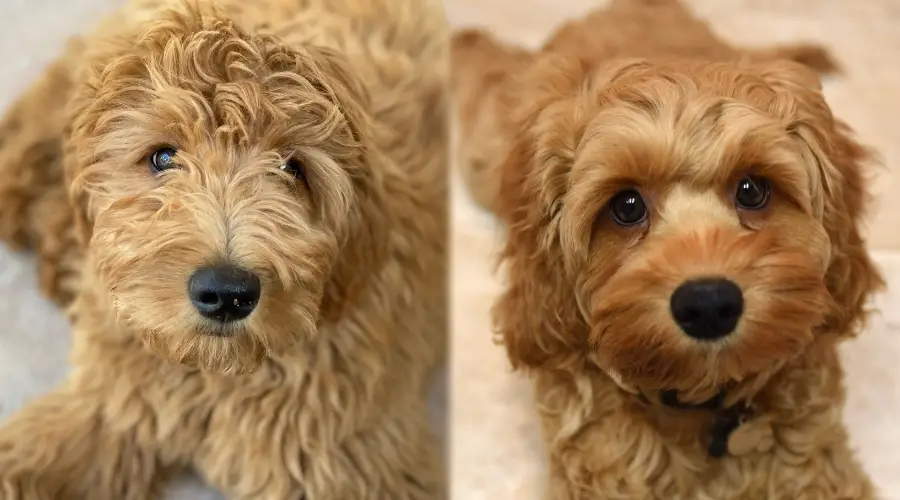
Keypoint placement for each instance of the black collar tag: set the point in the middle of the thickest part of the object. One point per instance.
(727, 419)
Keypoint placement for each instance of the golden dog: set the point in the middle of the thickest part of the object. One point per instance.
(250, 233)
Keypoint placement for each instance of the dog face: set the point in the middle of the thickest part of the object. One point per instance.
(695, 216)
(220, 180)
(692, 232)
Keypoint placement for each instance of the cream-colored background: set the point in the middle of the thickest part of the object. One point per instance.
(495, 447)
(496, 451)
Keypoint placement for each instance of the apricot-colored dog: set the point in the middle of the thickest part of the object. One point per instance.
(258, 195)
(683, 254)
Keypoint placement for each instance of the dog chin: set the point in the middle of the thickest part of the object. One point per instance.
(660, 360)
(642, 349)
(229, 353)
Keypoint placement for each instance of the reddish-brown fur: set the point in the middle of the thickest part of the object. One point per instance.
(321, 392)
(643, 95)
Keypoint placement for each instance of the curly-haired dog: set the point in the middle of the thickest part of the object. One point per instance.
(258, 190)
(683, 254)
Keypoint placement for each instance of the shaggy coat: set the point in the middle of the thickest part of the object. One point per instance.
(641, 99)
(307, 144)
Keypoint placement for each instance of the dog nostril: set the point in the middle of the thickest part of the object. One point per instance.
(691, 314)
(730, 310)
(707, 309)
(208, 298)
(224, 293)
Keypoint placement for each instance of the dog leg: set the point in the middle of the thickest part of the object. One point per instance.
(482, 67)
(34, 207)
(61, 447)
(813, 56)
(30, 154)
(392, 462)
(397, 459)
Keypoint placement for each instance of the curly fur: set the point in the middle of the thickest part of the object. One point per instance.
(320, 393)
(643, 95)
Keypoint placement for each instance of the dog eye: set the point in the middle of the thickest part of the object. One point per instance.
(752, 193)
(294, 167)
(627, 208)
(163, 159)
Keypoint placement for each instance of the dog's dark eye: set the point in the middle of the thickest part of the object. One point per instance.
(752, 193)
(627, 208)
(163, 159)
(294, 167)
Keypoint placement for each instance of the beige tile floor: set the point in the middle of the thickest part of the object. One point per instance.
(496, 451)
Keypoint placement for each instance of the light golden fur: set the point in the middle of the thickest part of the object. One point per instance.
(641, 94)
(321, 392)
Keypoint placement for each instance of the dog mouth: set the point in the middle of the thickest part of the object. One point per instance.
(699, 336)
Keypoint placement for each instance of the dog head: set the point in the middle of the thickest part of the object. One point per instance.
(223, 187)
(683, 227)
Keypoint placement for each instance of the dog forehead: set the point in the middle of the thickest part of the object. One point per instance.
(701, 138)
(244, 111)
(210, 67)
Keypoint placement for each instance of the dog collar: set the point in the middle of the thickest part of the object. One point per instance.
(670, 398)
(727, 419)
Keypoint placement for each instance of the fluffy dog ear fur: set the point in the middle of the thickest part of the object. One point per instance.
(76, 159)
(83, 113)
(365, 245)
(841, 190)
(537, 315)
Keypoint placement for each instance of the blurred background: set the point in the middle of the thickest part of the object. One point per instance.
(495, 440)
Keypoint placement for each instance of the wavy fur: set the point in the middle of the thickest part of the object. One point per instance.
(321, 392)
(642, 95)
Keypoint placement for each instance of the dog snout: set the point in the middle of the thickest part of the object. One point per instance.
(707, 309)
(224, 293)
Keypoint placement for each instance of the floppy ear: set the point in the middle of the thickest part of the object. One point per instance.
(79, 196)
(841, 191)
(77, 150)
(79, 200)
(90, 66)
(537, 315)
(363, 227)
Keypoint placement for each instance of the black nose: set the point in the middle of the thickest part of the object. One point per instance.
(707, 309)
(224, 293)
